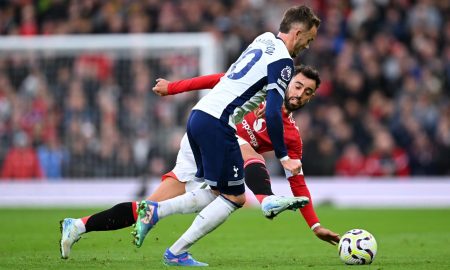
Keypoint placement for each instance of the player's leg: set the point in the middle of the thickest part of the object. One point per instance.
(257, 180)
(119, 216)
(223, 167)
(124, 214)
(257, 176)
(151, 212)
(169, 188)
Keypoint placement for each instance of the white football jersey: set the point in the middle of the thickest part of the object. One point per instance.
(264, 65)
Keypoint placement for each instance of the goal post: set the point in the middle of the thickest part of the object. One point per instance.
(210, 56)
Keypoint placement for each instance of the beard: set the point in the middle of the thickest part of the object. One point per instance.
(290, 107)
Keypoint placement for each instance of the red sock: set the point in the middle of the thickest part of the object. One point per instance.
(260, 197)
(134, 207)
(85, 219)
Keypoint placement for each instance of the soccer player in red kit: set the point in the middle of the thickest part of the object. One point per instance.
(253, 140)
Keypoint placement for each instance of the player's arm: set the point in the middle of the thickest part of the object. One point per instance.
(279, 75)
(260, 112)
(164, 87)
(299, 188)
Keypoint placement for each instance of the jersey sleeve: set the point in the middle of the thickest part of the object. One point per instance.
(295, 149)
(299, 188)
(196, 83)
(279, 74)
(275, 123)
(278, 77)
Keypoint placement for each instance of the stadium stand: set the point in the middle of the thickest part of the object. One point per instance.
(383, 108)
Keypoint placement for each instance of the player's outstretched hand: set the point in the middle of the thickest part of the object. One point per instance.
(161, 88)
(327, 235)
(292, 165)
(261, 112)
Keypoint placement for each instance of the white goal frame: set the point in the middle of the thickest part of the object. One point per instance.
(210, 52)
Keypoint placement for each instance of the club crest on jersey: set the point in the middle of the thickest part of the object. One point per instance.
(235, 171)
(286, 73)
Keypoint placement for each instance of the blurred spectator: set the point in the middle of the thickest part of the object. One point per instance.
(77, 107)
(21, 162)
(80, 161)
(105, 162)
(422, 155)
(443, 142)
(125, 165)
(386, 159)
(352, 162)
(28, 26)
(51, 157)
(323, 161)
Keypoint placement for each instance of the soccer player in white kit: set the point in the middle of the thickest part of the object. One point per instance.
(264, 68)
(253, 139)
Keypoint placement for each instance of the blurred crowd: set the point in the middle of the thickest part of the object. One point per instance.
(382, 109)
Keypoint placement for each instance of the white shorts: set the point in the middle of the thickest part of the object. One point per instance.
(185, 167)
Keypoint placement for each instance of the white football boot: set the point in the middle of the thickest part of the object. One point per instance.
(274, 205)
(69, 235)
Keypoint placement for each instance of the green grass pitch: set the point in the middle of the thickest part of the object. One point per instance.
(407, 239)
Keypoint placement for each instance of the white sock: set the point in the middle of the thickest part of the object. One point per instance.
(80, 226)
(190, 202)
(206, 221)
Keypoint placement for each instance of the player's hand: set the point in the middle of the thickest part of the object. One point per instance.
(327, 235)
(292, 165)
(261, 112)
(162, 87)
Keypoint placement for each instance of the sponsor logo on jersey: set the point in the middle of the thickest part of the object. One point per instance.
(259, 125)
(252, 136)
(286, 73)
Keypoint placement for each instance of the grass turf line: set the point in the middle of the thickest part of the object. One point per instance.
(407, 239)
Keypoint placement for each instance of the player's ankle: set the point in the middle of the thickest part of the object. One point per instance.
(80, 226)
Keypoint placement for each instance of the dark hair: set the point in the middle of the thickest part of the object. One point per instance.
(309, 72)
(299, 14)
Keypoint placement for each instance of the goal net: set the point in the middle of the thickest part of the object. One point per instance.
(82, 106)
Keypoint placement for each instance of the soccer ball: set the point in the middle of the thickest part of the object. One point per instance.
(357, 247)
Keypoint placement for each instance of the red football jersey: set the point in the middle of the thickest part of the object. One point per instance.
(254, 131)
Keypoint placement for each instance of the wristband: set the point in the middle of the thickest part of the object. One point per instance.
(315, 226)
(284, 158)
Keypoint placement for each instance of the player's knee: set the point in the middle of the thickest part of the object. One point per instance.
(252, 156)
(168, 189)
(260, 157)
(241, 199)
(238, 200)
